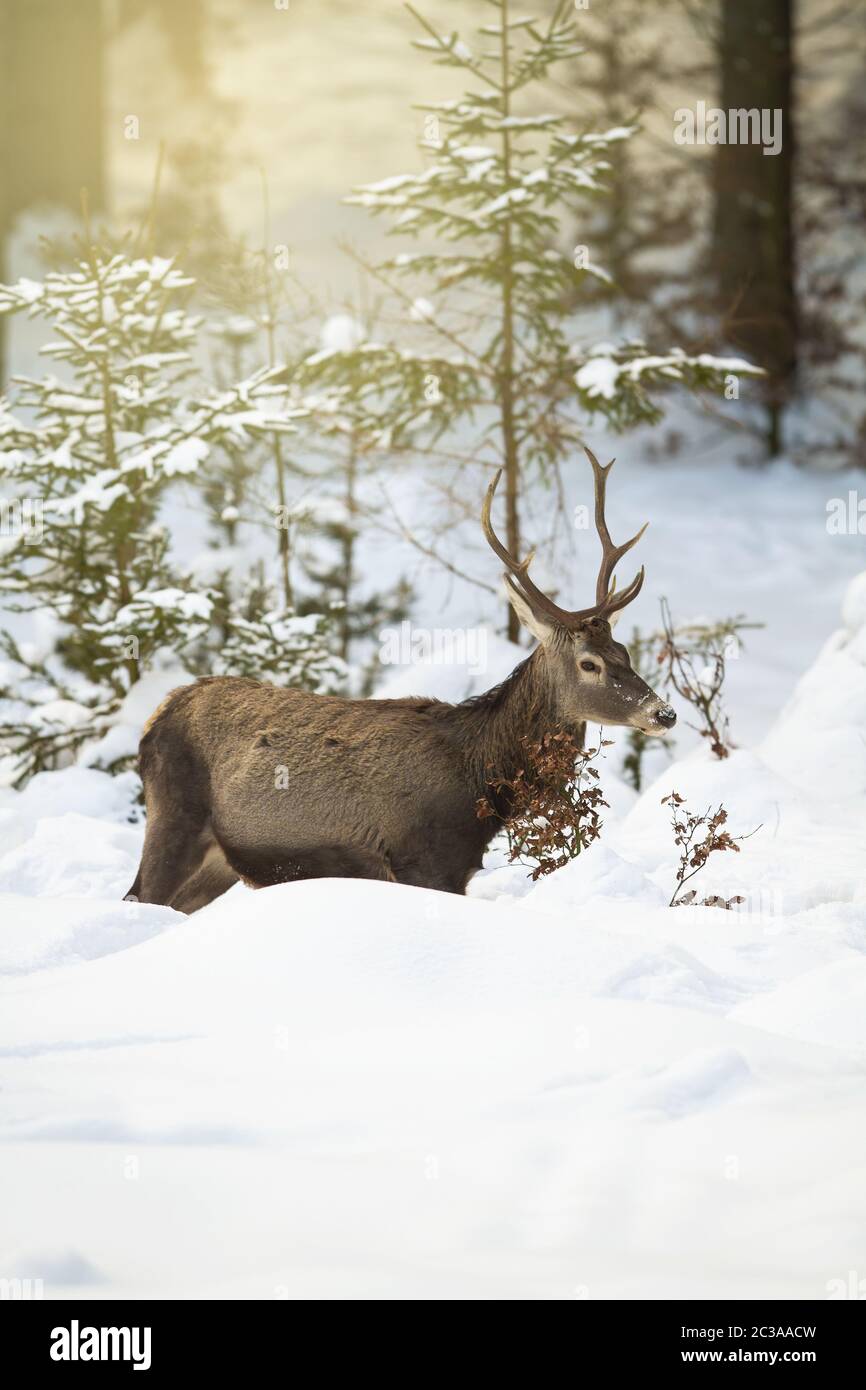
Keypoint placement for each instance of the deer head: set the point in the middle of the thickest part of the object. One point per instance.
(591, 674)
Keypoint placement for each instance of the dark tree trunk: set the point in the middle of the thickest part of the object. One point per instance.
(51, 108)
(754, 250)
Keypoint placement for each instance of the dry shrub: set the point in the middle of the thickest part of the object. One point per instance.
(695, 850)
(552, 804)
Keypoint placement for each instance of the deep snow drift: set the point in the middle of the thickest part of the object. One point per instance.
(354, 1089)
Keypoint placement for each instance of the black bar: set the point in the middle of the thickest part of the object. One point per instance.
(226, 1338)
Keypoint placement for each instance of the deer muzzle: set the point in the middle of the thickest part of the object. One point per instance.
(666, 716)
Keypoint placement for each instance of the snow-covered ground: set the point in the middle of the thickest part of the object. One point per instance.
(354, 1089)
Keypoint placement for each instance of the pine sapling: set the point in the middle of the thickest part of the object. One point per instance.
(488, 367)
(124, 422)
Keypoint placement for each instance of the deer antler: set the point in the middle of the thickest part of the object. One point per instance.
(518, 568)
(611, 554)
(607, 601)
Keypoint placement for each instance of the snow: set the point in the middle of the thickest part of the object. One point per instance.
(854, 606)
(357, 1089)
(505, 200)
(600, 375)
(100, 490)
(449, 42)
(121, 739)
(28, 291)
(447, 664)
(185, 456)
(341, 333)
(821, 736)
(473, 153)
(66, 713)
(421, 310)
(70, 855)
(191, 605)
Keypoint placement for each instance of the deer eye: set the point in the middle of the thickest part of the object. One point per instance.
(588, 666)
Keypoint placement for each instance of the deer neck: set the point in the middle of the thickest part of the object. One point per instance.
(496, 726)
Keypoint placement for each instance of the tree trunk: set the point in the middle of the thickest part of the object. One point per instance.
(51, 109)
(753, 244)
(506, 383)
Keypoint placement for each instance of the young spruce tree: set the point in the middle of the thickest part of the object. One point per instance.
(86, 462)
(500, 374)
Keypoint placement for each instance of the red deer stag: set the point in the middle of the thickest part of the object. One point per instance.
(382, 789)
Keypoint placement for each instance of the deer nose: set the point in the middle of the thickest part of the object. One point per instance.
(666, 716)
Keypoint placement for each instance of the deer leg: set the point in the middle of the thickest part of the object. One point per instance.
(175, 843)
(213, 877)
(181, 862)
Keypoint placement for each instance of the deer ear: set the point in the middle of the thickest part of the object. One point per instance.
(539, 628)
